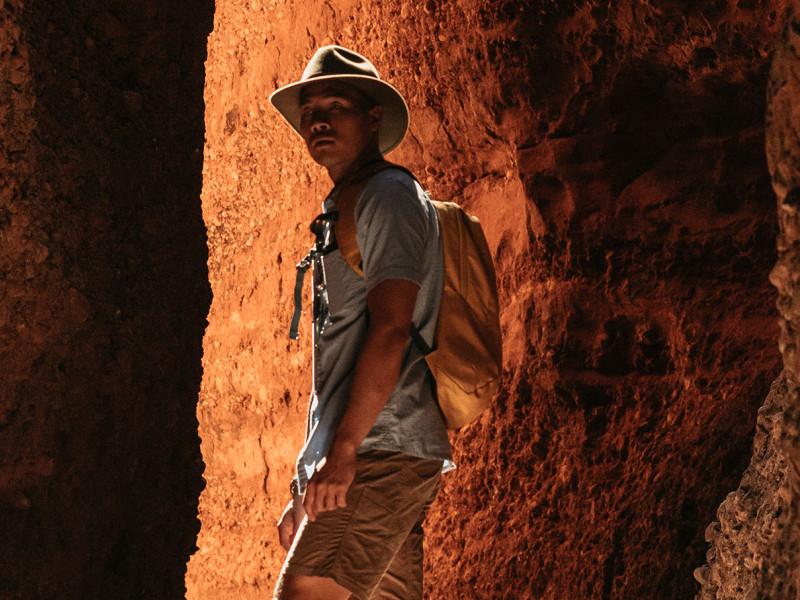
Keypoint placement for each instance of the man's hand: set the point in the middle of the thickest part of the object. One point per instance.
(289, 522)
(328, 487)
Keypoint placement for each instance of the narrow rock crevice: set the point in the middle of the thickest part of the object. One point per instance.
(103, 298)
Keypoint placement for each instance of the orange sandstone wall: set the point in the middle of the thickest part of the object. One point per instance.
(615, 156)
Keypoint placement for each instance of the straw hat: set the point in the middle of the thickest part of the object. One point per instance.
(340, 64)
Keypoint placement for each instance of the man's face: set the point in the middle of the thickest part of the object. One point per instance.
(335, 123)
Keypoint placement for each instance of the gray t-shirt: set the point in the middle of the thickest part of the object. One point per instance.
(398, 235)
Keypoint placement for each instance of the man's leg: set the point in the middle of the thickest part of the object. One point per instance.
(351, 547)
(304, 587)
(403, 578)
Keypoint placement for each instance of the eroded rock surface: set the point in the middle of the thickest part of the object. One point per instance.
(103, 296)
(739, 561)
(755, 546)
(615, 156)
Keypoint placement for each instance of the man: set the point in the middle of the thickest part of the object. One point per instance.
(376, 441)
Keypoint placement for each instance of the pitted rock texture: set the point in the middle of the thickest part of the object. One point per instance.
(783, 155)
(614, 153)
(739, 560)
(103, 296)
(755, 543)
(755, 551)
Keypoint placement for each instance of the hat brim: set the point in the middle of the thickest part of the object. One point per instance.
(394, 123)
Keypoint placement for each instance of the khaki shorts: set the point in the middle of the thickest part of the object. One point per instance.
(373, 546)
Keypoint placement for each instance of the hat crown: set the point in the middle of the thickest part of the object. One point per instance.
(335, 60)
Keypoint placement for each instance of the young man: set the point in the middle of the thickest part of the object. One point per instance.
(376, 441)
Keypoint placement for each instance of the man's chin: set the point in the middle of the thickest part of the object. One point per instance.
(324, 154)
(319, 147)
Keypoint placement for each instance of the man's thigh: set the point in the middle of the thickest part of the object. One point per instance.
(403, 577)
(303, 587)
(354, 545)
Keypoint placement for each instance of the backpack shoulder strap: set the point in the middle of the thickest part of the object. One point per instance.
(346, 206)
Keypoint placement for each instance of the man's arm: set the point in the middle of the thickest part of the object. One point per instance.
(391, 307)
(290, 521)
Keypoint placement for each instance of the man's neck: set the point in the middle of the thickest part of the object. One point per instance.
(340, 174)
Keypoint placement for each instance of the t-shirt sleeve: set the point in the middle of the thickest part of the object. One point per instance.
(391, 226)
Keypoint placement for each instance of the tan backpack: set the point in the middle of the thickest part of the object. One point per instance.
(467, 358)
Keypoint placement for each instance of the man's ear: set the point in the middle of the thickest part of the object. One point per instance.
(375, 115)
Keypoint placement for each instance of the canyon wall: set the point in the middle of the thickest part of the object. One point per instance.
(103, 296)
(755, 543)
(615, 154)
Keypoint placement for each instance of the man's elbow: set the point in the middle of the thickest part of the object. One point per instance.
(390, 334)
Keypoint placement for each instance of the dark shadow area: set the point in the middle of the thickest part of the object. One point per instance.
(104, 300)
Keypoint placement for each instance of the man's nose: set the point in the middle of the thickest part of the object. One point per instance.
(319, 121)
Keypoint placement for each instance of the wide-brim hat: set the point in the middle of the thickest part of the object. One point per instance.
(334, 63)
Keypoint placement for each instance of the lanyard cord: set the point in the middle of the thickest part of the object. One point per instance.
(324, 244)
(302, 267)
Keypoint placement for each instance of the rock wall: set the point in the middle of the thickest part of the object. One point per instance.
(755, 543)
(745, 554)
(614, 153)
(103, 296)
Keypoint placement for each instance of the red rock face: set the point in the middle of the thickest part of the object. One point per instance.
(103, 296)
(615, 156)
(754, 545)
